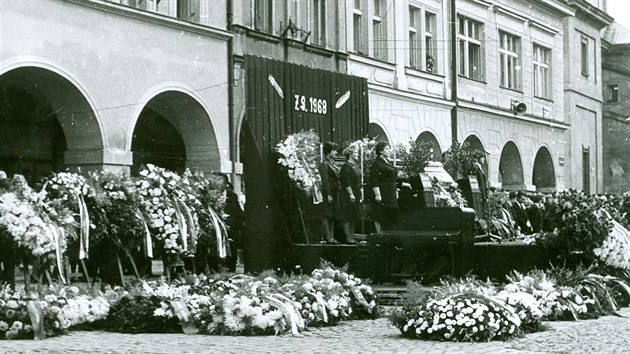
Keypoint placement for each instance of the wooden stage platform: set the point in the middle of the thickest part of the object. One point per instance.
(486, 259)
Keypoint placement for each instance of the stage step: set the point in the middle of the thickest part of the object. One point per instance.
(390, 294)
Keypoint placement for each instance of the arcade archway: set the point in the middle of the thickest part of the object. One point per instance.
(475, 143)
(429, 139)
(511, 167)
(377, 133)
(544, 177)
(174, 131)
(43, 117)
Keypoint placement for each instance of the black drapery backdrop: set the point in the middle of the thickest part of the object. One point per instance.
(282, 99)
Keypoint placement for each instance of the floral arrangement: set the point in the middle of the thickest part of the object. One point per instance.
(117, 198)
(414, 157)
(300, 155)
(447, 196)
(15, 320)
(576, 226)
(170, 206)
(615, 250)
(459, 159)
(464, 317)
(29, 227)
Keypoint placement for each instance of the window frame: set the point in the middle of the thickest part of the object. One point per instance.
(542, 71)
(430, 41)
(584, 60)
(359, 36)
(510, 76)
(466, 40)
(266, 18)
(317, 22)
(414, 29)
(379, 20)
(612, 93)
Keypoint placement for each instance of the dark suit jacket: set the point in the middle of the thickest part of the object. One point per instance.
(521, 218)
(535, 217)
(384, 175)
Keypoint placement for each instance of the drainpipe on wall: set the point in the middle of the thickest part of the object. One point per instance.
(230, 88)
(453, 36)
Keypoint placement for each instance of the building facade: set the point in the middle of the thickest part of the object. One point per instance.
(507, 53)
(616, 109)
(113, 84)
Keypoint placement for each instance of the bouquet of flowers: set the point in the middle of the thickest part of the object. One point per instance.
(115, 215)
(447, 197)
(363, 299)
(69, 191)
(556, 303)
(615, 250)
(15, 320)
(300, 155)
(29, 227)
(465, 317)
(163, 210)
(526, 307)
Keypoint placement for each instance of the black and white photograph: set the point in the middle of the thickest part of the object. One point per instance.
(315, 176)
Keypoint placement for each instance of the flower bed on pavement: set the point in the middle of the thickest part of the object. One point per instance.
(471, 310)
(221, 304)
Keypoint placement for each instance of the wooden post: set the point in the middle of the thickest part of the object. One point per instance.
(120, 270)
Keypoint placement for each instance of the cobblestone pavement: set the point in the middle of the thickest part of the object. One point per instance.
(608, 334)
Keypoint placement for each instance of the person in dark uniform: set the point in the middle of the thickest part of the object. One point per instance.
(7, 245)
(329, 173)
(351, 194)
(234, 222)
(482, 180)
(383, 176)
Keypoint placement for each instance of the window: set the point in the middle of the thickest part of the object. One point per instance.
(509, 49)
(318, 23)
(379, 30)
(414, 41)
(262, 15)
(469, 48)
(429, 41)
(612, 93)
(188, 10)
(359, 32)
(542, 73)
(584, 55)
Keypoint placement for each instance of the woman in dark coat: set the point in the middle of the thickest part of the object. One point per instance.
(351, 194)
(329, 173)
(383, 177)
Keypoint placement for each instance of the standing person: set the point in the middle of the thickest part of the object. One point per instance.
(329, 173)
(234, 221)
(482, 180)
(383, 183)
(351, 194)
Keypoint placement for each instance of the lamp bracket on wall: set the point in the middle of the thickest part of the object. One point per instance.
(293, 31)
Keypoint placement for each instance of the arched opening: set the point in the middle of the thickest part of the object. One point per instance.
(511, 167)
(475, 143)
(377, 133)
(544, 177)
(427, 138)
(157, 142)
(43, 116)
(174, 131)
